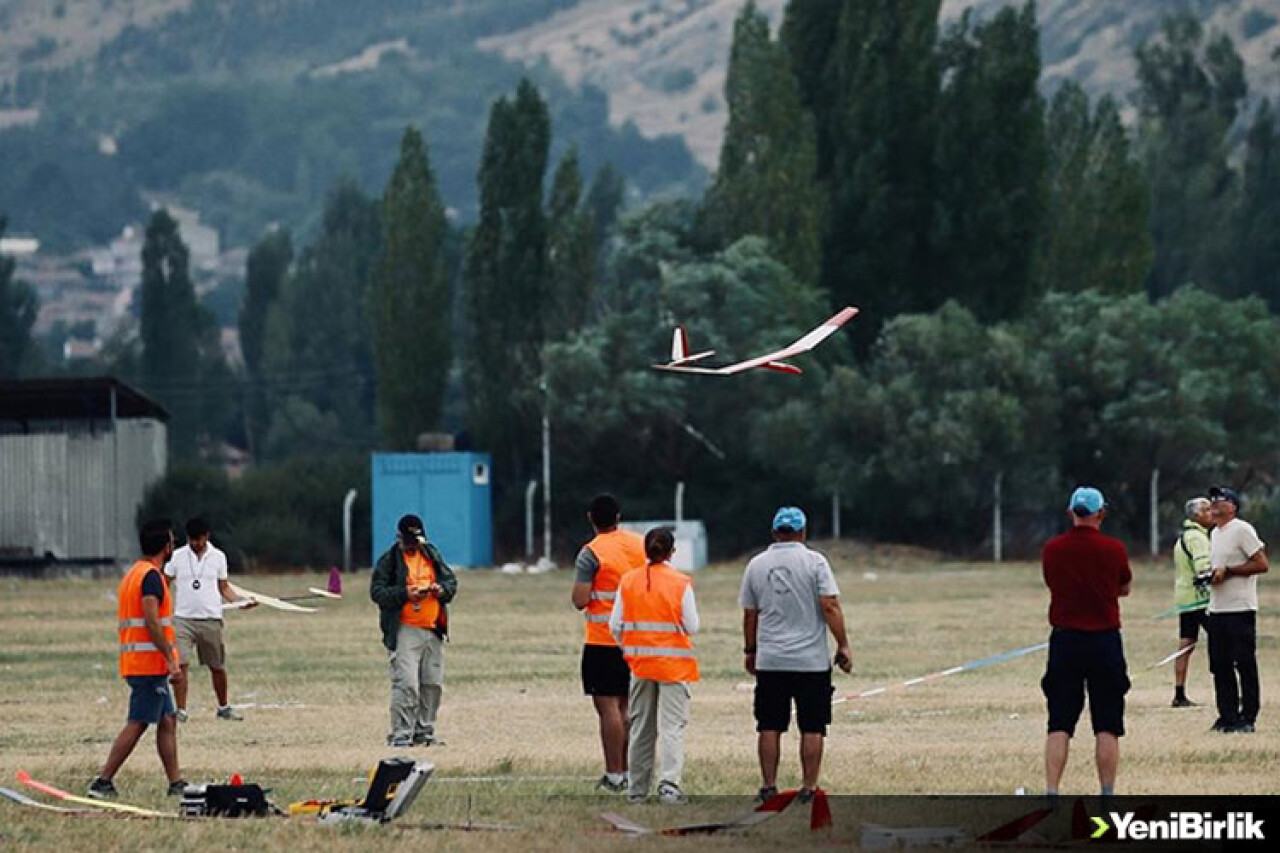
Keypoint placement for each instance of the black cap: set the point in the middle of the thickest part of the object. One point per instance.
(1225, 493)
(410, 527)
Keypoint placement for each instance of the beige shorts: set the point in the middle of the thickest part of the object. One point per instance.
(203, 636)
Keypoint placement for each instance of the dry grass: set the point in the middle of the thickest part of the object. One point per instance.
(513, 706)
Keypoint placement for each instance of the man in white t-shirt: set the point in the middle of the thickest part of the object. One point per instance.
(789, 601)
(200, 585)
(1237, 556)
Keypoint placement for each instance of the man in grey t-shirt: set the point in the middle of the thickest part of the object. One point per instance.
(789, 601)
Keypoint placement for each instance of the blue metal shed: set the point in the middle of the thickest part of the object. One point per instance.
(449, 491)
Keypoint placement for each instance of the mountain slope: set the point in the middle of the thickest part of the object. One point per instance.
(663, 61)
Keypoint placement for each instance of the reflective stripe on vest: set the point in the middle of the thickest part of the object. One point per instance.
(669, 627)
(654, 642)
(138, 653)
(618, 552)
(657, 652)
(142, 623)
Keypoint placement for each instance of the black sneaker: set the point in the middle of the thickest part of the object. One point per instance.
(765, 794)
(102, 789)
(1219, 725)
(1240, 729)
(805, 796)
(1183, 702)
(177, 789)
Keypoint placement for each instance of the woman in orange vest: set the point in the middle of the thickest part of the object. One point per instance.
(653, 617)
(148, 660)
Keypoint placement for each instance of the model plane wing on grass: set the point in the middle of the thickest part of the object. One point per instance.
(682, 362)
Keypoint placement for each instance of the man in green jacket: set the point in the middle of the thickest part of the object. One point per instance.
(1190, 596)
(412, 586)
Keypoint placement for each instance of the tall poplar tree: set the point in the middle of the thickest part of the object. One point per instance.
(990, 162)
(265, 271)
(1258, 218)
(571, 252)
(176, 332)
(409, 300)
(867, 71)
(505, 274)
(1190, 89)
(1095, 235)
(766, 181)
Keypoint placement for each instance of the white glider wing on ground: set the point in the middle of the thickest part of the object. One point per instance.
(681, 362)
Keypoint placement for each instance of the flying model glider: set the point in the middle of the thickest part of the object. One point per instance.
(682, 362)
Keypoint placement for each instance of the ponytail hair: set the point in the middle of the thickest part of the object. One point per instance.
(659, 543)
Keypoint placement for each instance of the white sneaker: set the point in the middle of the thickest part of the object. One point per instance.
(669, 794)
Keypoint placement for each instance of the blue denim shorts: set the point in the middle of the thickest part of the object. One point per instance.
(149, 698)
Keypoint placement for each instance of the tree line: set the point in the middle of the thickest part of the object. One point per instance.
(1050, 294)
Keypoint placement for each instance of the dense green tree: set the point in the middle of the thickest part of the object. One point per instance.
(505, 274)
(571, 252)
(919, 434)
(1258, 218)
(869, 75)
(265, 270)
(177, 335)
(1187, 385)
(18, 309)
(1095, 234)
(990, 161)
(318, 342)
(1190, 88)
(766, 183)
(409, 300)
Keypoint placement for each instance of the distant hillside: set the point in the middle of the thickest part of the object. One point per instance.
(251, 110)
(663, 61)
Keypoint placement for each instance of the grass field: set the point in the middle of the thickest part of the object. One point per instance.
(314, 690)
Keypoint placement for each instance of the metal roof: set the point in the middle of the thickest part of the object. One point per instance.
(75, 398)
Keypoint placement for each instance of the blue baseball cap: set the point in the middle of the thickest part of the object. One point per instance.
(1086, 500)
(789, 518)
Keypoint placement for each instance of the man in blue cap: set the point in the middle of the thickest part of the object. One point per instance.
(1087, 574)
(789, 601)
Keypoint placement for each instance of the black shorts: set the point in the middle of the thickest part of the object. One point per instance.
(1190, 623)
(604, 671)
(811, 691)
(1080, 660)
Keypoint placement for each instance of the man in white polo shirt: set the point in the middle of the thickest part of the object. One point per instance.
(1237, 557)
(199, 572)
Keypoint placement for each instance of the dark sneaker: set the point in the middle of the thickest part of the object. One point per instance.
(766, 794)
(399, 742)
(619, 787)
(427, 740)
(805, 796)
(1183, 702)
(177, 789)
(229, 713)
(1240, 729)
(102, 789)
(1219, 725)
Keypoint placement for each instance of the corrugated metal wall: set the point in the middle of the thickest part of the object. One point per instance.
(75, 493)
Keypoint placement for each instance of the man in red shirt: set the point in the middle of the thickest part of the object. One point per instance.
(1087, 573)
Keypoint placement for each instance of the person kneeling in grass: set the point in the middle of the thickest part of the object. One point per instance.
(653, 617)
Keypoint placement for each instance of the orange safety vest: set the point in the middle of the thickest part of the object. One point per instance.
(422, 573)
(618, 551)
(138, 655)
(653, 639)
